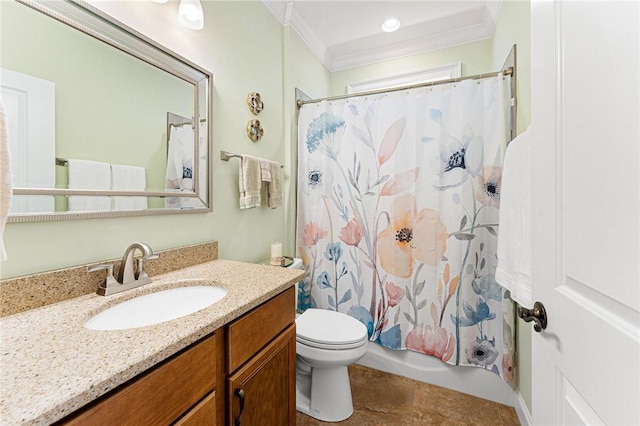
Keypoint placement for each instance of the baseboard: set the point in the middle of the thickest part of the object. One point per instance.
(522, 410)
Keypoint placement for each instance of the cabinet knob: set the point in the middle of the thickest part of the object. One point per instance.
(240, 394)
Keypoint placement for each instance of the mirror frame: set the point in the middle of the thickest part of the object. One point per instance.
(86, 18)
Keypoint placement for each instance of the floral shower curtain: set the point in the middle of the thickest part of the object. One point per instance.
(397, 221)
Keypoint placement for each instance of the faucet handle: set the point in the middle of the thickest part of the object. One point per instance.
(141, 274)
(109, 282)
(107, 266)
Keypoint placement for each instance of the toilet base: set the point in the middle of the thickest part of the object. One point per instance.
(324, 393)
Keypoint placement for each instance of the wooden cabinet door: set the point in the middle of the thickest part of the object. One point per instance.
(161, 395)
(263, 391)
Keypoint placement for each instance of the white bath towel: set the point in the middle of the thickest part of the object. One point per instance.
(5, 179)
(514, 271)
(86, 174)
(250, 182)
(128, 178)
(275, 186)
(179, 176)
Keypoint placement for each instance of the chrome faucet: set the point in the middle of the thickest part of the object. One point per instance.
(129, 276)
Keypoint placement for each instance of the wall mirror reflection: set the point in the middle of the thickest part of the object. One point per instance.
(101, 120)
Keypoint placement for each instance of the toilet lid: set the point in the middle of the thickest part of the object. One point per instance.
(329, 330)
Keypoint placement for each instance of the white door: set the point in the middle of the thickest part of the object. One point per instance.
(29, 103)
(585, 120)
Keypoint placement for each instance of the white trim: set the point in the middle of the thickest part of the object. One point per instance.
(524, 416)
(278, 10)
(421, 44)
(310, 39)
(373, 49)
(444, 72)
(286, 14)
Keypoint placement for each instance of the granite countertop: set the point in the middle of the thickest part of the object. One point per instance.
(50, 365)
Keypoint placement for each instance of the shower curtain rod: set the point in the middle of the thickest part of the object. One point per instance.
(506, 71)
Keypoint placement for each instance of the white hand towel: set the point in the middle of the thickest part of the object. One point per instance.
(275, 186)
(514, 271)
(250, 182)
(5, 179)
(86, 174)
(128, 178)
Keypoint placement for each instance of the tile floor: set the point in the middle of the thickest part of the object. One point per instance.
(381, 398)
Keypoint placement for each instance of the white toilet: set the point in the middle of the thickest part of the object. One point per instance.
(326, 343)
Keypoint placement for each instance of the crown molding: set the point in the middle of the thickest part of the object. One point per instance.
(277, 9)
(378, 48)
(408, 47)
(310, 39)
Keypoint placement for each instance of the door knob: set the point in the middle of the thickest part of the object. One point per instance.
(538, 314)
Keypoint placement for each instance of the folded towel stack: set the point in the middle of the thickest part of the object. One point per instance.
(86, 174)
(250, 181)
(128, 178)
(253, 172)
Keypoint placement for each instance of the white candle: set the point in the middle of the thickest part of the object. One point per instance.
(276, 250)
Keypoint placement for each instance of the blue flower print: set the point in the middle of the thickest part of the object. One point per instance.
(323, 130)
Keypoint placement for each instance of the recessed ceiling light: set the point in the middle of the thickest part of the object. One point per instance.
(390, 25)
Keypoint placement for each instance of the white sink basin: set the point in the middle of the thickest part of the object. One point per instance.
(156, 307)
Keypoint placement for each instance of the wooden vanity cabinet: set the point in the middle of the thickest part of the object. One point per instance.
(188, 388)
(256, 353)
(261, 364)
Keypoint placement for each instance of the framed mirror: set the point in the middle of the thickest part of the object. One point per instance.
(91, 107)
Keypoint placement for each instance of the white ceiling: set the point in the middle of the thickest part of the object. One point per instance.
(346, 34)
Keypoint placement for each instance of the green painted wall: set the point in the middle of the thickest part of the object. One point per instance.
(93, 81)
(242, 46)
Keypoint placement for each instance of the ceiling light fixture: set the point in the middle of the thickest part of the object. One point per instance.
(190, 14)
(160, 1)
(390, 25)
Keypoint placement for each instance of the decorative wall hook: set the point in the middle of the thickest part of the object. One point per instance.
(254, 131)
(255, 103)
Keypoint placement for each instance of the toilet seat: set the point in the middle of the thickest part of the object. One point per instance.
(323, 329)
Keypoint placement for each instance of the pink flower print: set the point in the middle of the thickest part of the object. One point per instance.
(490, 183)
(410, 236)
(312, 234)
(394, 293)
(431, 341)
(507, 367)
(352, 233)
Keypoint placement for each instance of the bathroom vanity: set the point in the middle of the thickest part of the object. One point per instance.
(231, 363)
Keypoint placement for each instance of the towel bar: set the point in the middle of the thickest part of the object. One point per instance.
(225, 156)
